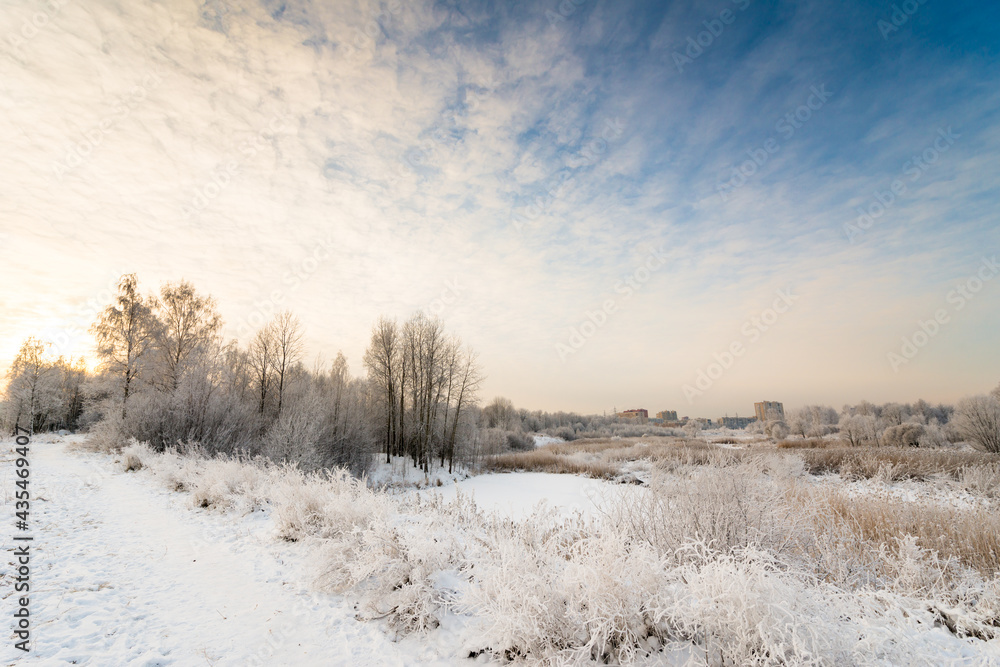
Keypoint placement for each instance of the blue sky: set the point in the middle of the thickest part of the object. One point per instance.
(515, 168)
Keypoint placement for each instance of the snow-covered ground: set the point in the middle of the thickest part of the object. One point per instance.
(125, 573)
(542, 440)
(516, 495)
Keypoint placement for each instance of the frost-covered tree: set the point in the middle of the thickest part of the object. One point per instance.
(260, 360)
(500, 413)
(33, 390)
(190, 327)
(853, 428)
(126, 333)
(286, 332)
(978, 421)
(385, 363)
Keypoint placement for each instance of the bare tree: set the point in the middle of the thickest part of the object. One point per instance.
(287, 335)
(126, 332)
(978, 420)
(386, 371)
(260, 358)
(466, 384)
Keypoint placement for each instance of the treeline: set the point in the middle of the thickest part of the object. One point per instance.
(167, 377)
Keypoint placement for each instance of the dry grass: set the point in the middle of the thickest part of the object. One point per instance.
(600, 445)
(544, 461)
(604, 458)
(810, 443)
(970, 536)
(891, 464)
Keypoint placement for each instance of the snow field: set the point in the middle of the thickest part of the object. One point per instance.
(710, 564)
(127, 572)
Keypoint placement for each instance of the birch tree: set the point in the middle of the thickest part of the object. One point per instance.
(126, 333)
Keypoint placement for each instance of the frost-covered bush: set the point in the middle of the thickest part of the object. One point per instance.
(724, 507)
(520, 442)
(322, 504)
(776, 429)
(229, 483)
(565, 432)
(982, 480)
(904, 435)
(134, 455)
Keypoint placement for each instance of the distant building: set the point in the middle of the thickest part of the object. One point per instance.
(736, 422)
(667, 415)
(769, 411)
(639, 416)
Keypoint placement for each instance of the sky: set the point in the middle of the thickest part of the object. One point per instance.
(684, 206)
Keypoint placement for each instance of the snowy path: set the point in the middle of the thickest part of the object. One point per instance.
(124, 573)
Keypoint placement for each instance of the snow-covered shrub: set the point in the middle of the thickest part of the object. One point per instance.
(520, 442)
(726, 507)
(572, 592)
(108, 435)
(134, 455)
(393, 560)
(983, 479)
(565, 432)
(904, 435)
(776, 429)
(229, 483)
(322, 504)
(749, 608)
